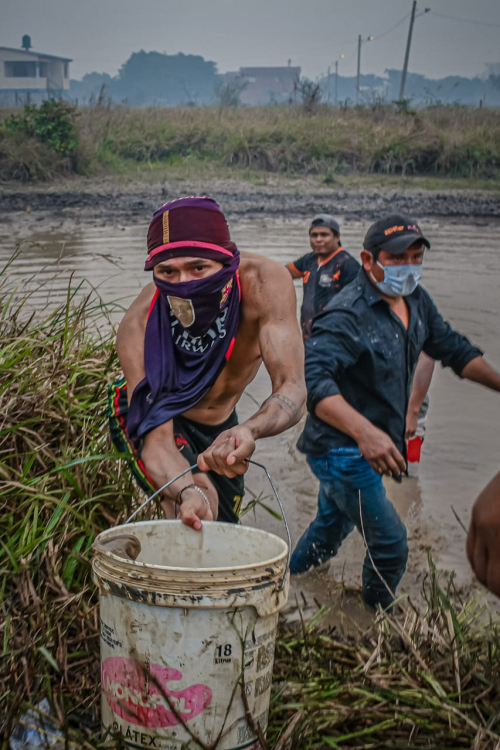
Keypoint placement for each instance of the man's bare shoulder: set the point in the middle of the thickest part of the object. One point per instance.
(140, 305)
(265, 281)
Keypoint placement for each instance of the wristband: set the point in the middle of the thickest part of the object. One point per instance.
(178, 499)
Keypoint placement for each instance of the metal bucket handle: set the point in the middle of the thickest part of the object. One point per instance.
(195, 466)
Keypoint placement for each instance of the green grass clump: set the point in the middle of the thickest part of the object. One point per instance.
(39, 142)
(59, 486)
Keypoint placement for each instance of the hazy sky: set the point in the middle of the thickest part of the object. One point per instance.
(99, 35)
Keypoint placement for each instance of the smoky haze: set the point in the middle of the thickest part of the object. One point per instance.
(455, 38)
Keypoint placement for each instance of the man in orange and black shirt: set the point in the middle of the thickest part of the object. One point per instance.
(324, 271)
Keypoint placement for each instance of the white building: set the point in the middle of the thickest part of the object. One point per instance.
(27, 76)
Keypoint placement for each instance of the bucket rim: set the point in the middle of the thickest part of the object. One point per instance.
(176, 521)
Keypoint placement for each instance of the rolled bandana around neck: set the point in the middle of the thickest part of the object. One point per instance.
(197, 304)
(182, 367)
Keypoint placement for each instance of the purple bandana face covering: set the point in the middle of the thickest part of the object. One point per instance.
(195, 305)
(189, 336)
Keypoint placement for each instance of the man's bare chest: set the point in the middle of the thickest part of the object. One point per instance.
(238, 372)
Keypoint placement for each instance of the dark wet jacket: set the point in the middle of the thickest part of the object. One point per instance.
(322, 278)
(360, 349)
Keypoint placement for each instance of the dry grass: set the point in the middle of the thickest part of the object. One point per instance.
(443, 141)
(411, 681)
(25, 159)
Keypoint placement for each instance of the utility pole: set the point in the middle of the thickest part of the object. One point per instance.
(336, 82)
(407, 53)
(359, 68)
(368, 39)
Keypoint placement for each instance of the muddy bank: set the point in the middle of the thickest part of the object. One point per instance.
(95, 202)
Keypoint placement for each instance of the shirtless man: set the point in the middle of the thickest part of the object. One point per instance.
(190, 344)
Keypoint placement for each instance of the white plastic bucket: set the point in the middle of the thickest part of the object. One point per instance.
(186, 629)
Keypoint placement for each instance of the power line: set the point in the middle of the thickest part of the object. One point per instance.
(465, 20)
(353, 45)
(384, 33)
(380, 36)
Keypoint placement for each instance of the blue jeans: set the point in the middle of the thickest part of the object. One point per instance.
(345, 476)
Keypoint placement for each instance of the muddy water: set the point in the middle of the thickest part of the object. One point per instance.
(461, 450)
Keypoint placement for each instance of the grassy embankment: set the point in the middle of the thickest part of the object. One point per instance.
(333, 145)
(411, 681)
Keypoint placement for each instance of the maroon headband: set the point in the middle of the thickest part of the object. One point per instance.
(189, 226)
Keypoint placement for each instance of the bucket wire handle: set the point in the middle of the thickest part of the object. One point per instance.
(283, 516)
(167, 484)
(194, 466)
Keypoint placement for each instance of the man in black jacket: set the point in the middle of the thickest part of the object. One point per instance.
(360, 360)
(324, 271)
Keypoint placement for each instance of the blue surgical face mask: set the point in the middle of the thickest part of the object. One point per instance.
(399, 281)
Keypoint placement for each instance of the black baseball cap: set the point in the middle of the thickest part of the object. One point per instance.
(394, 234)
(325, 220)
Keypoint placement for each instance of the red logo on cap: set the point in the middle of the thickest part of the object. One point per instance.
(391, 230)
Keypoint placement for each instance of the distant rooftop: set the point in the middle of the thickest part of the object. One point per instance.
(38, 54)
(270, 71)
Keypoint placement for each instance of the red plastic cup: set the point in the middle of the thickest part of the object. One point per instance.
(414, 450)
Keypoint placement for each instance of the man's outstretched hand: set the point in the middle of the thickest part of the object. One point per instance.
(229, 453)
(483, 540)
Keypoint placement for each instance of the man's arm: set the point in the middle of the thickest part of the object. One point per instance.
(421, 382)
(164, 461)
(375, 445)
(273, 297)
(456, 351)
(443, 343)
(479, 371)
(483, 540)
(294, 271)
(130, 339)
(296, 268)
(160, 455)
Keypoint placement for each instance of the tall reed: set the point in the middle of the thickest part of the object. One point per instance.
(59, 486)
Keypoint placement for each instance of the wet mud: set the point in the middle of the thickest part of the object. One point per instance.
(94, 202)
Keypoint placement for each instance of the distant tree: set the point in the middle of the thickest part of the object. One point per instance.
(432, 91)
(493, 69)
(494, 81)
(89, 87)
(153, 77)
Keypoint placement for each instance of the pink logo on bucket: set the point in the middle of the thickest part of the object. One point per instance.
(139, 693)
